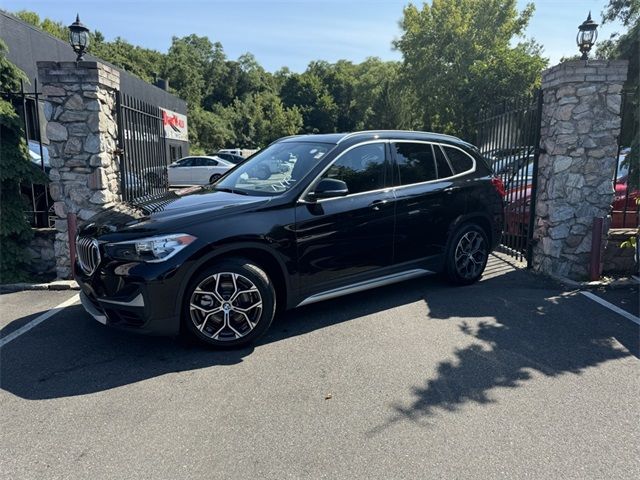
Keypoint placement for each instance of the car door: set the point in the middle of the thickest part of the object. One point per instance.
(344, 239)
(426, 203)
(202, 170)
(221, 166)
(179, 172)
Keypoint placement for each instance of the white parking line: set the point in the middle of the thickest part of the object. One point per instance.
(612, 307)
(38, 320)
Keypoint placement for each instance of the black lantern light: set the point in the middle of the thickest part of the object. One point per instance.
(78, 37)
(587, 35)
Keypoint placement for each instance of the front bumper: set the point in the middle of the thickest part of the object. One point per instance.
(116, 298)
(91, 308)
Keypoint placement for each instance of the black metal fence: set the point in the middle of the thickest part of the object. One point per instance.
(509, 138)
(142, 147)
(625, 206)
(36, 195)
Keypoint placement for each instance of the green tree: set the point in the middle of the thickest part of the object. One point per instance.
(458, 58)
(15, 168)
(627, 11)
(142, 62)
(209, 131)
(185, 65)
(308, 93)
(57, 29)
(261, 118)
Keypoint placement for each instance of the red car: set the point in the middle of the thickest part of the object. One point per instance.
(518, 201)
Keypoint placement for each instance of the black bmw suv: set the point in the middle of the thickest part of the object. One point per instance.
(350, 212)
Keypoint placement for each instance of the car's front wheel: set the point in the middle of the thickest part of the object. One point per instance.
(467, 254)
(214, 178)
(230, 304)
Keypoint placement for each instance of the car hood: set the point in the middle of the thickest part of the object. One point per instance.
(170, 211)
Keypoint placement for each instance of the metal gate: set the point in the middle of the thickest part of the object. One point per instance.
(142, 148)
(38, 203)
(509, 138)
(626, 207)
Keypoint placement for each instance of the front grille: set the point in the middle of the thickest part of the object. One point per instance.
(88, 254)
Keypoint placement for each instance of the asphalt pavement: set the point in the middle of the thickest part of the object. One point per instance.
(509, 378)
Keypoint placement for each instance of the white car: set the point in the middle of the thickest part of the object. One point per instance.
(199, 170)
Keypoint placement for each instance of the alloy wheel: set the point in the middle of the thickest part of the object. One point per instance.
(470, 255)
(225, 306)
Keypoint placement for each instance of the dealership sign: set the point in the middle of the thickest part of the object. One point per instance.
(175, 125)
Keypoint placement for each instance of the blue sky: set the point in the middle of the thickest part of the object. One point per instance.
(292, 32)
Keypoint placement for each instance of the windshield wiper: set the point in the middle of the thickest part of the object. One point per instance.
(230, 190)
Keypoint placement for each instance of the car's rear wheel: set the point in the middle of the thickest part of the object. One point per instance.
(230, 304)
(467, 254)
(214, 178)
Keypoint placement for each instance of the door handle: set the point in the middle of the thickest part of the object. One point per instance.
(376, 204)
(450, 190)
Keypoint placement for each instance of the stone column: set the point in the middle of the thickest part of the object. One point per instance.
(579, 142)
(80, 110)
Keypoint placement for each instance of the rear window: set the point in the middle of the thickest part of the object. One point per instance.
(415, 163)
(460, 161)
(444, 169)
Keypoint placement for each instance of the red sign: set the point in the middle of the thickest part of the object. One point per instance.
(175, 125)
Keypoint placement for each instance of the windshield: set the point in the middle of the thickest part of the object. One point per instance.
(275, 169)
(232, 159)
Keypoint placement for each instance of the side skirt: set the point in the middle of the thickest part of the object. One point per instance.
(365, 285)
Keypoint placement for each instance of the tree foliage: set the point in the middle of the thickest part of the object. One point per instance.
(459, 58)
(15, 168)
(627, 11)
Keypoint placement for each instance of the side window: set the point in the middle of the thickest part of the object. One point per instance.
(460, 161)
(444, 170)
(363, 169)
(415, 162)
(186, 162)
(209, 162)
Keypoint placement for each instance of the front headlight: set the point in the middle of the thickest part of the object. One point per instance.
(151, 249)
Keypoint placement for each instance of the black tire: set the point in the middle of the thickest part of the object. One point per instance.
(252, 323)
(467, 254)
(214, 178)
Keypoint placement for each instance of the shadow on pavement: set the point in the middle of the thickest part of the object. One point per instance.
(73, 355)
(552, 334)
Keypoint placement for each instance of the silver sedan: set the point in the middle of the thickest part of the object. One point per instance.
(197, 170)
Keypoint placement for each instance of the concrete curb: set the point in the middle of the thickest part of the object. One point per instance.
(56, 285)
(613, 283)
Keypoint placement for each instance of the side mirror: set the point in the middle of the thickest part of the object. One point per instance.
(329, 188)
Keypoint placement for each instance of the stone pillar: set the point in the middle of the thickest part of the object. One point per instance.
(579, 142)
(80, 108)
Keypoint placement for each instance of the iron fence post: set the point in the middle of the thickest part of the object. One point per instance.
(120, 150)
(534, 180)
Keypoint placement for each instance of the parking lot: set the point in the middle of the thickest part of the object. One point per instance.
(513, 377)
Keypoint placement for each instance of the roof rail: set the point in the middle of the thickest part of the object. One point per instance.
(353, 134)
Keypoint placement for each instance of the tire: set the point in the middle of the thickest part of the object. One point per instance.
(214, 178)
(467, 255)
(211, 305)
